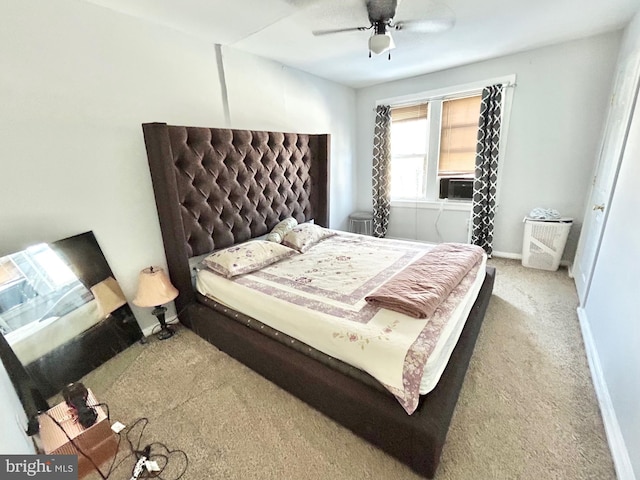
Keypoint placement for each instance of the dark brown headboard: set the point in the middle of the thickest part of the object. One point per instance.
(216, 187)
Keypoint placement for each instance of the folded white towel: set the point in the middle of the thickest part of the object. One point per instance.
(544, 213)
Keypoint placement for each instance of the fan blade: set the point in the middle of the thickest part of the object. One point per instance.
(318, 33)
(434, 25)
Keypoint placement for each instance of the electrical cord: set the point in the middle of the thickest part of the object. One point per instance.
(173, 321)
(166, 457)
(156, 329)
(136, 451)
(438, 219)
(148, 452)
(106, 407)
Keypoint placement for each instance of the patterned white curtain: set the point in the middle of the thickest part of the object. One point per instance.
(381, 171)
(486, 174)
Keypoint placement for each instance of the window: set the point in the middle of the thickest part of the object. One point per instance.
(409, 146)
(458, 136)
(430, 140)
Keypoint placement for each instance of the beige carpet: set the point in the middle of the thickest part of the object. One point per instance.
(527, 409)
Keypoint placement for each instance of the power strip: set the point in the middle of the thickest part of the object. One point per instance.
(138, 468)
(140, 464)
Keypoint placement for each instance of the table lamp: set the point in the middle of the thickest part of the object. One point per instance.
(109, 297)
(154, 290)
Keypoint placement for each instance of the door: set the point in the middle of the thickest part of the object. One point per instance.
(621, 109)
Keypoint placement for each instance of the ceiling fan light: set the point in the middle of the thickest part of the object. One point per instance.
(380, 43)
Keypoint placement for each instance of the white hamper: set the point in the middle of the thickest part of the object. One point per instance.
(544, 242)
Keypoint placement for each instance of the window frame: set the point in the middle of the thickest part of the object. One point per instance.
(435, 98)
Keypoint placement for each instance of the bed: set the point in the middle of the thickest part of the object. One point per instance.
(215, 188)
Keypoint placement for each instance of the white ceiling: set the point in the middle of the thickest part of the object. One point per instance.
(281, 30)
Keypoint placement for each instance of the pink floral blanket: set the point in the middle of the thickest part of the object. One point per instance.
(420, 288)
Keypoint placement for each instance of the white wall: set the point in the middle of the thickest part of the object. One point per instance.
(78, 80)
(276, 97)
(557, 116)
(13, 421)
(613, 304)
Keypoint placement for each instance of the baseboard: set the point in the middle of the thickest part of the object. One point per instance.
(149, 330)
(412, 240)
(518, 256)
(619, 451)
(510, 256)
(570, 269)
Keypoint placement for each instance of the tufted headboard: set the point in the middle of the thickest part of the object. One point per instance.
(217, 187)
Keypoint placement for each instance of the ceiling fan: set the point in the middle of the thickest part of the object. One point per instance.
(382, 22)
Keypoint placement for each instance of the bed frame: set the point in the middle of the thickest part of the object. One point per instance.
(217, 187)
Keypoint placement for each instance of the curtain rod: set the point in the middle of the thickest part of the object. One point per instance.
(460, 94)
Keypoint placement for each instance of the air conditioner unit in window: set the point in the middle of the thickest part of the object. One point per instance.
(456, 188)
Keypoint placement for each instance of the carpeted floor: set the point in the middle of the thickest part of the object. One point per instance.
(527, 409)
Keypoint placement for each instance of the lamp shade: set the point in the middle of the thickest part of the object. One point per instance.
(108, 295)
(381, 42)
(154, 288)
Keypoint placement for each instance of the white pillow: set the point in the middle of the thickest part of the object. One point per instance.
(305, 236)
(247, 257)
(280, 230)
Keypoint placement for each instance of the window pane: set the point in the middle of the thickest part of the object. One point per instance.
(409, 144)
(459, 135)
(409, 137)
(409, 147)
(407, 177)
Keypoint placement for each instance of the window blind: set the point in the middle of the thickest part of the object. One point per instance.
(459, 135)
(409, 112)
